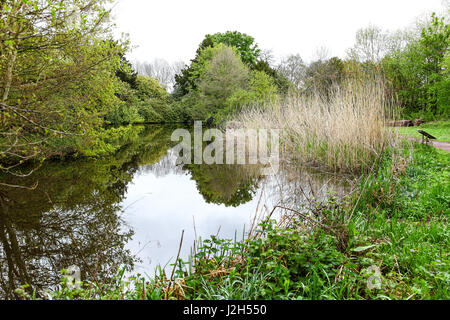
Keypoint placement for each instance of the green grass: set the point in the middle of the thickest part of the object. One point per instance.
(439, 129)
(397, 224)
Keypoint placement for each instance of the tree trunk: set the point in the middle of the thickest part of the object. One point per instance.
(8, 79)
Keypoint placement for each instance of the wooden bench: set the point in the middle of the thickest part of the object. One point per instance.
(426, 136)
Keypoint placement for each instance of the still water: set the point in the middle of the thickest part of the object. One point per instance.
(131, 208)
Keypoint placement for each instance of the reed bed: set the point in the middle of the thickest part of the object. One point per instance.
(343, 132)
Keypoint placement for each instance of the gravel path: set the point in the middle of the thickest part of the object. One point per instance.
(437, 144)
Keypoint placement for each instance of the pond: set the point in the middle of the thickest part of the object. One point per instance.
(130, 210)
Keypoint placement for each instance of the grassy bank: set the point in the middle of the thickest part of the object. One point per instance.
(439, 129)
(388, 240)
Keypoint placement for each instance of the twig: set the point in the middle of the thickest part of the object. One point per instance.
(195, 238)
(33, 187)
(218, 230)
(308, 218)
(257, 208)
(175, 264)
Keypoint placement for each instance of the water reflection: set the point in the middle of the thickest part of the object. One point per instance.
(231, 185)
(73, 217)
(129, 210)
(70, 219)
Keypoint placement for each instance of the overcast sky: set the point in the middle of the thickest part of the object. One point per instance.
(173, 29)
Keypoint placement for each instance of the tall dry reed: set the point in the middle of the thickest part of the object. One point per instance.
(342, 132)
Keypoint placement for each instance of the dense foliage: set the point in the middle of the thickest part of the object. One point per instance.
(389, 241)
(226, 73)
(56, 76)
(142, 101)
(63, 79)
(67, 89)
(420, 72)
(415, 65)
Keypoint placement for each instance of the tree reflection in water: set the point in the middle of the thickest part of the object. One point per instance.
(74, 216)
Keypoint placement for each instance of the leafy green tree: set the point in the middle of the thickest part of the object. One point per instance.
(206, 86)
(225, 74)
(125, 71)
(262, 85)
(126, 109)
(155, 106)
(435, 41)
(146, 101)
(261, 89)
(443, 89)
(419, 74)
(280, 80)
(56, 82)
(244, 44)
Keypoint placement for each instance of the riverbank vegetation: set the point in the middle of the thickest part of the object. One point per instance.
(67, 84)
(67, 90)
(388, 240)
(342, 131)
(58, 61)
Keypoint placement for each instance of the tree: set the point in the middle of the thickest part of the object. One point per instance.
(260, 89)
(442, 89)
(322, 76)
(293, 68)
(244, 44)
(371, 44)
(419, 74)
(399, 40)
(147, 101)
(279, 79)
(55, 68)
(225, 74)
(161, 70)
(322, 53)
(126, 72)
(267, 56)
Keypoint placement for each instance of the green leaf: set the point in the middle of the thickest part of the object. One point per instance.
(361, 249)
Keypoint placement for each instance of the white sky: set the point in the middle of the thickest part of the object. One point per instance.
(173, 29)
